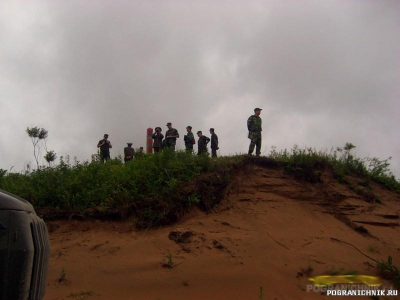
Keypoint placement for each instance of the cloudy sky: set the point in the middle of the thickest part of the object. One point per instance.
(324, 72)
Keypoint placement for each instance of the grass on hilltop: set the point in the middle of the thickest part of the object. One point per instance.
(153, 187)
(158, 188)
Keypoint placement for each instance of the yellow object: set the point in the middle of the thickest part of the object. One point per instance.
(345, 279)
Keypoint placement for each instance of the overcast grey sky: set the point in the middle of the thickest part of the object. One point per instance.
(324, 72)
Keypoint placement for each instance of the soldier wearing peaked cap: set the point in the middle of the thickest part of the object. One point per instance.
(254, 124)
(129, 153)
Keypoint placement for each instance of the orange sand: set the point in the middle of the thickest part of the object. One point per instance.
(257, 244)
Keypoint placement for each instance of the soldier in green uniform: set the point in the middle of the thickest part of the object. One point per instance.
(129, 153)
(157, 137)
(254, 126)
(170, 136)
(139, 153)
(189, 139)
(105, 146)
(214, 143)
(202, 143)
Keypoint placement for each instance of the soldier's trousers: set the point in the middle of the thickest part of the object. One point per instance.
(255, 142)
(202, 150)
(189, 147)
(104, 156)
(213, 152)
(170, 146)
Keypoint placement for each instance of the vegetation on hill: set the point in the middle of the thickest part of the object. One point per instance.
(153, 187)
(157, 188)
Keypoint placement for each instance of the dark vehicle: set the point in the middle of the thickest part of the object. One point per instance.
(24, 250)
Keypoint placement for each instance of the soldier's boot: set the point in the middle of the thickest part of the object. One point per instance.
(251, 148)
(258, 147)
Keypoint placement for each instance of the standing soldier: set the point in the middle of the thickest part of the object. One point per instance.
(189, 139)
(254, 127)
(214, 143)
(170, 136)
(202, 143)
(157, 137)
(105, 146)
(129, 153)
(139, 153)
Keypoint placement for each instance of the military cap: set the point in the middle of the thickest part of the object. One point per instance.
(169, 123)
(211, 129)
(106, 134)
(257, 108)
(190, 127)
(199, 132)
(158, 128)
(129, 143)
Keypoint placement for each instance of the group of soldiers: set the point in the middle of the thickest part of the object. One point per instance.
(171, 135)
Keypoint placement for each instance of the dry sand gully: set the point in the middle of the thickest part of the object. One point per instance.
(263, 241)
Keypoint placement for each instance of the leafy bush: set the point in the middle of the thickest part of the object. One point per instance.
(157, 188)
(389, 271)
(79, 186)
(306, 163)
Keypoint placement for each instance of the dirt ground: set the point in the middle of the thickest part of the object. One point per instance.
(268, 236)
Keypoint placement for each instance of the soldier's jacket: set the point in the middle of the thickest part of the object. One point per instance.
(171, 141)
(189, 138)
(157, 137)
(214, 141)
(129, 152)
(254, 126)
(202, 143)
(105, 148)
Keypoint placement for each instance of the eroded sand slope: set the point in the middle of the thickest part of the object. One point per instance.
(257, 244)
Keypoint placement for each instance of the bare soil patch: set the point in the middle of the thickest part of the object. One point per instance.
(267, 236)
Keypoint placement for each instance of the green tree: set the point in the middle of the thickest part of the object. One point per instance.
(50, 157)
(38, 137)
(347, 148)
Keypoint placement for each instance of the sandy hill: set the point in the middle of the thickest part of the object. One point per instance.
(268, 235)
